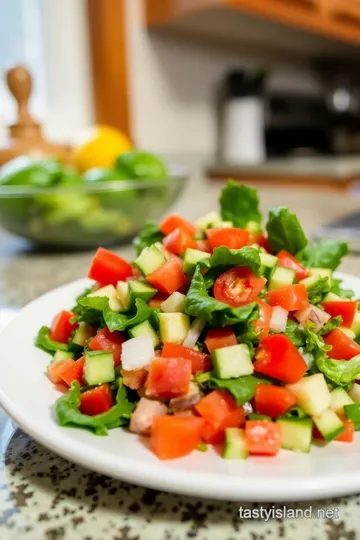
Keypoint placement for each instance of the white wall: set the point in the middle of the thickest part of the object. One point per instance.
(173, 85)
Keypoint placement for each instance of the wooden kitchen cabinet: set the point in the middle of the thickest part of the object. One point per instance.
(333, 20)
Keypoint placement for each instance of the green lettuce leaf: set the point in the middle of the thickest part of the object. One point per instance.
(243, 388)
(68, 414)
(318, 292)
(239, 204)
(147, 236)
(98, 303)
(296, 335)
(331, 325)
(89, 309)
(199, 303)
(294, 413)
(340, 372)
(122, 321)
(44, 342)
(224, 257)
(336, 288)
(284, 231)
(325, 254)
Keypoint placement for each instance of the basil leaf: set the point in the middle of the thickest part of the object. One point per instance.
(68, 414)
(147, 236)
(284, 231)
(44, 342)
(325, 254)
(199, 303)
(239, 204)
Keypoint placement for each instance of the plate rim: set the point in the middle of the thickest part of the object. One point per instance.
(177, 481)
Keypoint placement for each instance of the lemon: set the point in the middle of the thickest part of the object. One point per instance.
(99, 146)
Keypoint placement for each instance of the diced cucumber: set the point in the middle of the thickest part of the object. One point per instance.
(355, 392)
(339, 398)
(223, 224)
(348, 332)
(173, 327)
(332, 297)
(208, 221)
(235, 444)
(329, 424)
(140, 289)
(322, 272)
(256, 416)
(356, 324)
(110, 292)
(149, 260)
(352, 412)
(232, 362)
(122, 289)
(268, 263)
(174, 304)
(191, 258)
(98, 367)
(145, 329)
(281, 277)
(62, 355)
(253, 227)
(310, 282)
(82, 333)
(296, 434)
(312, 394)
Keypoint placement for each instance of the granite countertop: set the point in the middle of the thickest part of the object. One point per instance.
(43, 496)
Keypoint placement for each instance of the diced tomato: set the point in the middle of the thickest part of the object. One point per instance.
(262, 325)
(134, 379)
(273, 400)
(203, 245)
(62, 328)
(176, 222)
(168, 278)
(109, 341)
(217, 338)
(157, 300)
(286, 260)
(346, 309)
(53, 370)
(291, 297)
(261, 240)
(343, 347)
(262, 437)
(178, 241)
(215, 433)
(200, 361)
(238, 286)
(348, 434)
(175, 436)
(168, 377)
(96, 401)
(108, 268)
(230, 237)
(216, 406)
(278, 357)
(73, 372)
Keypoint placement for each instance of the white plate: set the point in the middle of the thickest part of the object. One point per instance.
(29, 398)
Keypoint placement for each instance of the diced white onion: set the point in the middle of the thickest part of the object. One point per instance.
(194, 333)
(174, 304)
(248, 408)
(278, 319)
(313, 314)
(137, 353)
(355, 392)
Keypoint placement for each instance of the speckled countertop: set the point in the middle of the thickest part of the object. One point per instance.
(46, 497)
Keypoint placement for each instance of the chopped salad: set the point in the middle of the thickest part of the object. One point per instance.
(222, 332)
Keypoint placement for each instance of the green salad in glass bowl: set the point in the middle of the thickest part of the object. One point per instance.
(54, 206)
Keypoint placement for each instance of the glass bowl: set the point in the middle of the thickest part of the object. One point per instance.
(86, 216)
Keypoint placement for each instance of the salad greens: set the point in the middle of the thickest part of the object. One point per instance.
(213, 334)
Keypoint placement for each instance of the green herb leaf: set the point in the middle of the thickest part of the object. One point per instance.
(239, 204)
(284, 231)
(147, 236)
(68, 414)
(199, 303)
(44, 342)
(325, 254)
